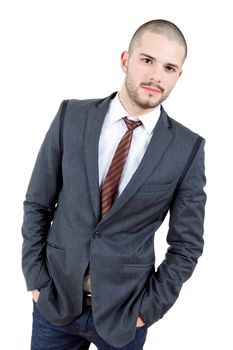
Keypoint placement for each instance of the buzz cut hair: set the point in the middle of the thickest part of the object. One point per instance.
(162, 27)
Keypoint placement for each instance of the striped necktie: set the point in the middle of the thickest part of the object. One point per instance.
(111, 182)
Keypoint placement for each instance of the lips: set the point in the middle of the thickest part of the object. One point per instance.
(151, 89)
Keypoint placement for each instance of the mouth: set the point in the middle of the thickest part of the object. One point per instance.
(151, 90)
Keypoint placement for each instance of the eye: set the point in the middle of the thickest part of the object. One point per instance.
(170, 69)
(146, 60)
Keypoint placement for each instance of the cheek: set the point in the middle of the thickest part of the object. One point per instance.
(169, 83)
(137, 71)
(135, 76)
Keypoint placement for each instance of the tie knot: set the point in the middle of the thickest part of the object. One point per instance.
(131, 125)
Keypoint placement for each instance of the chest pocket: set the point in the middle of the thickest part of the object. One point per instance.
(150, 188)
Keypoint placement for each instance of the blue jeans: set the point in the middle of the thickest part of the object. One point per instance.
(75, 336)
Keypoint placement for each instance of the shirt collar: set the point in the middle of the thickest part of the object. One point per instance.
(117, 112)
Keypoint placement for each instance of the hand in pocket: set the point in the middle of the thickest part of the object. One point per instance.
(140, 322)
(35, 295)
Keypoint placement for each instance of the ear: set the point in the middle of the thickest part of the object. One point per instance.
(180, 73)
(124, 61)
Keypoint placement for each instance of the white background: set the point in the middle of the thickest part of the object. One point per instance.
(54, 50)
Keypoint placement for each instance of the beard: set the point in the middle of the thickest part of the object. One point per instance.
(143, 101)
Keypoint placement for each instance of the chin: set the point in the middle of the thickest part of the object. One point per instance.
(145, 104)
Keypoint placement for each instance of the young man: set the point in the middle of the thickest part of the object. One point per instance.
(108, 172)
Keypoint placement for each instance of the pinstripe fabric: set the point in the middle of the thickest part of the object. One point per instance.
(111, 182)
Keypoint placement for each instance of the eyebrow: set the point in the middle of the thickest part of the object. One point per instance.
(154, 59)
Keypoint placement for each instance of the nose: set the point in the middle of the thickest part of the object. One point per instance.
(156, 73)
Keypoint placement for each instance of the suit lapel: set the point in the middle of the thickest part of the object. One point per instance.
(160, 140)
(96, 115)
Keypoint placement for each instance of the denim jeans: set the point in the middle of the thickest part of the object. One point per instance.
(75, 336)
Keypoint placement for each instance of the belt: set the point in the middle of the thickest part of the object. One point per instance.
(86, 299)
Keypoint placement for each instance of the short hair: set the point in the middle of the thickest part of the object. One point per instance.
(162, 27)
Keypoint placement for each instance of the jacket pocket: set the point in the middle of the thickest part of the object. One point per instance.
(51, 245)
(138, 266)
(147, 188)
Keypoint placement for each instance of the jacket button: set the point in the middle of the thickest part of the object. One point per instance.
(96, 234)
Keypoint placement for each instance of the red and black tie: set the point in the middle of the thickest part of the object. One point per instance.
(111, 182)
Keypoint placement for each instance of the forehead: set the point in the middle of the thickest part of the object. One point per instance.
(160, 47)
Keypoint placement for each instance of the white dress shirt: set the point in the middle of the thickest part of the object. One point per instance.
(112, 132)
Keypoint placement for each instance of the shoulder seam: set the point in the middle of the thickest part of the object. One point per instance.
(190, 159)
(62, 118)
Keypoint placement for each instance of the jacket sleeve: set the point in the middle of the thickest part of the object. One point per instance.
(40, 205)
(185, 239)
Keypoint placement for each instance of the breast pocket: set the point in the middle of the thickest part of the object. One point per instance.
(150, 188)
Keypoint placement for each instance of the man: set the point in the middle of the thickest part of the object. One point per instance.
(108, 172)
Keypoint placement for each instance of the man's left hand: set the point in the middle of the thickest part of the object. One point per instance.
(140, 322)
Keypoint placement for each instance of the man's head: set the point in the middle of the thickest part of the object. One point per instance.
(153, 64)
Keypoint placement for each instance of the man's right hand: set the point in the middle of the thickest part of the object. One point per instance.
(35, 295)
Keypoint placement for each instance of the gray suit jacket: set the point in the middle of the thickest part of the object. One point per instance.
(63, 232)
